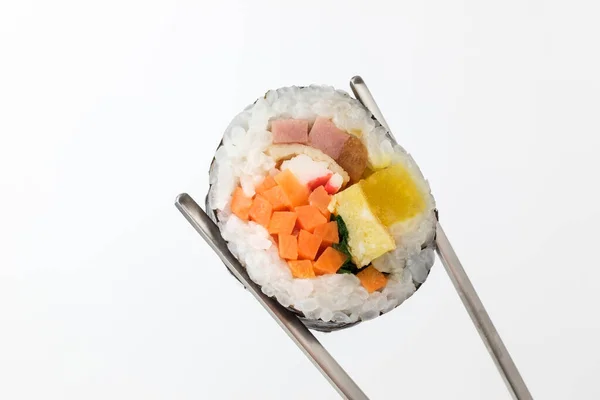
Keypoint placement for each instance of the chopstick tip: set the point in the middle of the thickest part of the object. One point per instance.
(181, 198)
(356, 80)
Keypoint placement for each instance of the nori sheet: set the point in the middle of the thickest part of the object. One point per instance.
(318, 324)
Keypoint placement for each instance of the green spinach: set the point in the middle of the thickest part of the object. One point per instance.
(348, 267)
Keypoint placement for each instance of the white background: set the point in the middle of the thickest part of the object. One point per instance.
(109, 110)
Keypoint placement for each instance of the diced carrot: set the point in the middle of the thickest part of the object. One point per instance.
(328, 233)
(321, 250)
(295, 191)
(330, 261)
(372, 279)
(240, 204)
(277, 198)
(266, 184)
(320, 199)
(309, 217)
(282, 222)
(308, 245)
(302, 269)
(288, 247)
(261, 210)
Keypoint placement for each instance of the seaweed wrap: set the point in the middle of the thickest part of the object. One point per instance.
(324, 210)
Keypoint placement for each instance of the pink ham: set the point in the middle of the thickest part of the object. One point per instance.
(347, 150)
(289, 131)
(326, 137)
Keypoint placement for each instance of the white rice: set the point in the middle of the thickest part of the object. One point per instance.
(241, 160)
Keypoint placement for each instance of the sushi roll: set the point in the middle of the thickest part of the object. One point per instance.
(325, 211)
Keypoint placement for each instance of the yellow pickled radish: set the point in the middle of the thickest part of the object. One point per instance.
(393, 195)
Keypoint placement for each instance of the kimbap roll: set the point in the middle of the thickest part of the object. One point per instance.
(325, 211)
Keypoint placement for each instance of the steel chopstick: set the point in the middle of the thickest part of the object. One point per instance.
(295, 329)
(507, 368)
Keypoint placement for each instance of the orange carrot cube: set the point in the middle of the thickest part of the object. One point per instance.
(320, 199)
(282, 222)
(261, 210)
(302, 269)
(288, 247)
(328, 233)
(372, 279)
(308, 245)
(309, 217)
(277, 198)
(329, 262)
(240, 204)
(266, 184)
(294, 190)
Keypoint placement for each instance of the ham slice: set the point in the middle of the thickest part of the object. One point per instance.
(327, 137)
(289, 131)
(347, 150)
